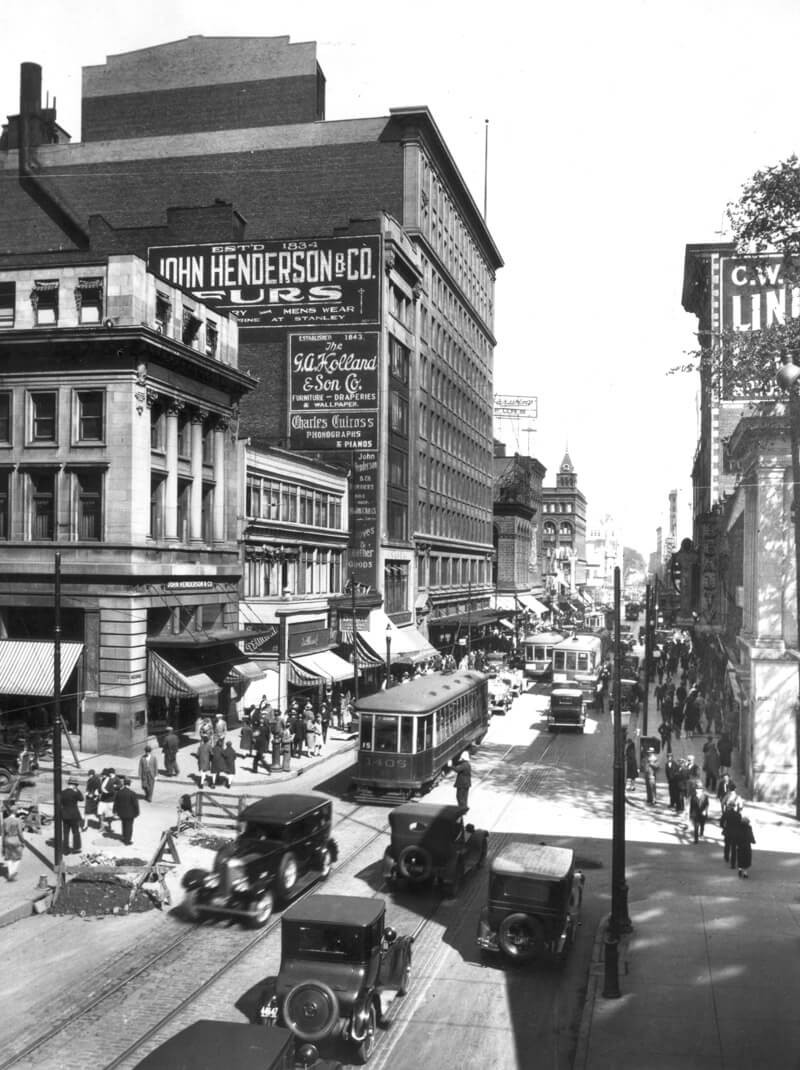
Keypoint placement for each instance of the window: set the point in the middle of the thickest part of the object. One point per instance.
(396, 586)
(43, 500)
(397, 520)
(43, 417)
(212, 339)
(398, 360)
(184, 436)
(208, 514)
(89, 505)
(191, 328)
(44, 299)
(184, 508)
(398, 413)
(163, 313)
(208, 442)
(157, 488)
(288, 503)
(5, 417)
(90, 415)
(8, 293)
(157, 424)
(398, 468)
(89, 300)
(4, 504)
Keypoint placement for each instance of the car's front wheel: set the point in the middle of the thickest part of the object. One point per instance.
(262, 910)
(325, 863)
(190, 907)
(287, 874)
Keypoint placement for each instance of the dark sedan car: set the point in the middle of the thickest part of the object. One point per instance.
(431, 842)
(284, 844)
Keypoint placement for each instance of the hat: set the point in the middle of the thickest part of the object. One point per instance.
(72, 780)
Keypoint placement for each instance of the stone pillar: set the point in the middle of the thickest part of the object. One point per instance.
(171, 488)
(196, 504)
(219, 481)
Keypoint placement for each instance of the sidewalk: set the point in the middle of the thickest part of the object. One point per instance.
(710, 976)
(32, 889)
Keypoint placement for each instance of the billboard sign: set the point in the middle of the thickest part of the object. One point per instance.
(756, 293)
(280, 284)
(333, 371)
(514, 407)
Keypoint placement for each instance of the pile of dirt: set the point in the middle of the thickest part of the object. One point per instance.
(100, 894)
(209, 840)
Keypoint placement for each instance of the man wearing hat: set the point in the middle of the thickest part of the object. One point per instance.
(71, 819)
(148, 771)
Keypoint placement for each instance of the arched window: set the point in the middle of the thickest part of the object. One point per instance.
(549, 530)
(565, 530)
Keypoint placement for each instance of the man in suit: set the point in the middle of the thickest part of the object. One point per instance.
(126, 807)
(148, 771)
(169, 745)
(71, 819)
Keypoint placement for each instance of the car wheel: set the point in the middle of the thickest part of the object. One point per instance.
(484, 851)
(5, 779)
(311, 1010)
(287, 874)
(405, 977)
(193, 878)
(415, 864)
(521, 937)
(325, 863)
(263, 909)
(190, 907)
(366, 1047)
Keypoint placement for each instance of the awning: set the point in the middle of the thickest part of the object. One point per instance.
(26, 666)
(324, 665)
(529, 601)
(244, 672)
(177, 677)
(412, 644)
(366, 655)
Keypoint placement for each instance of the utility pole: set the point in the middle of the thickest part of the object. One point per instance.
(58, 830)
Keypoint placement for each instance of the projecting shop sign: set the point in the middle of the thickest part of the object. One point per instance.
(266, 284)
(333, 383)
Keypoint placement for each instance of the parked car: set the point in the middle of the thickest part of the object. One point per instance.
(341, 967)
(534, 903)
(208, 1045)
(283, 845)
(430, 842)
(10, 755)
(567, 708)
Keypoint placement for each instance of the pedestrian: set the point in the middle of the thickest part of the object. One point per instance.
(92, 798)
(296, 728)
(463, 771)
(744, 846)
(711, 764)
(71, 820)
(220, 728)
(246, 737)
(317, 730)
(681, 785)
(729, 823)
(148, 771)
(725, 750)
(13, 841)
(698, 811)
(230, 762)
(671, 774)
(650, 769)
(347, 717)
(126, 807)
(169, 745)
(260, 747)
(218, 765)
(286, 749)
(665, 731)
(203, 755)
(631, 765)
(659, 691)
(325, 720)
(308, 728)
(109, 786)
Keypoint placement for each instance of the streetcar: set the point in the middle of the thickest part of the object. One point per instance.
(537, 652)
(578, 660)
(409, 733)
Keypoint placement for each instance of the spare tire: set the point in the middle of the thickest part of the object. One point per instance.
(311, 1010)
(521, 937)
(415, 864)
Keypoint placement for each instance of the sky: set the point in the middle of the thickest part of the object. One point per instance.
(618, 132)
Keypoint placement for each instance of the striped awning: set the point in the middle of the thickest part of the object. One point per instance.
(244, 672)
(26, 666)
(323, 665)
(366, 655)
(167, 679)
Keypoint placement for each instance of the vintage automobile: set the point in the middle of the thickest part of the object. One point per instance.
(283, 845)
(534, 905)
(207, 1045)
(10, 758)
(630, 693)
(567, 708)
(341, 967)
(430, 842)
(494, 663)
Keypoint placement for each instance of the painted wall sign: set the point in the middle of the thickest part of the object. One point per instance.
(364, 521)
(279, 284)
(333, 371)
(756, 294)
(333, 431)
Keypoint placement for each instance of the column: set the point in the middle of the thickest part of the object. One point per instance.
(196, 504)
(171, 488)
(219, 481)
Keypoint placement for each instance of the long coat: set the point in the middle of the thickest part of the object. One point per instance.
(126, 804)
(204, 756)
(745, 839)
(70, 797)
(148, 770)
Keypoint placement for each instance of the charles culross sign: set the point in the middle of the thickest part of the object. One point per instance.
(278, 284)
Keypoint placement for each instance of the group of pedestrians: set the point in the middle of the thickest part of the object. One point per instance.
(109, 796)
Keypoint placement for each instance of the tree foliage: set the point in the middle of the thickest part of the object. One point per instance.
(766, 218)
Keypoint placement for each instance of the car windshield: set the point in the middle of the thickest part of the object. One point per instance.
(326, 941)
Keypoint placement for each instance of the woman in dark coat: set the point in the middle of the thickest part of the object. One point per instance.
(218, 764)
(229, 754)
(744, 842)
(246, 740)
(631, 765)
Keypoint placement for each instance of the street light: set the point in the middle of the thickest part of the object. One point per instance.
(788, 378)
(388, 656)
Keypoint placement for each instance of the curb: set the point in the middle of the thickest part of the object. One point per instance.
(594, 988)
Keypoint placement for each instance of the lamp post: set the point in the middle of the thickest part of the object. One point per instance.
(619, 922)
(388, 656)
(788, 377)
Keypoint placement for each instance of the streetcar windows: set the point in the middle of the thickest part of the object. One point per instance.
(365, 741)
(406, 735)
(583, 662)
(385, 733)
(425, 733)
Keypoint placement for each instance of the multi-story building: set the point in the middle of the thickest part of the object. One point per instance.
(119, 398)
(517, 519)
(603, 555)
(354, 257)
(564, 534)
